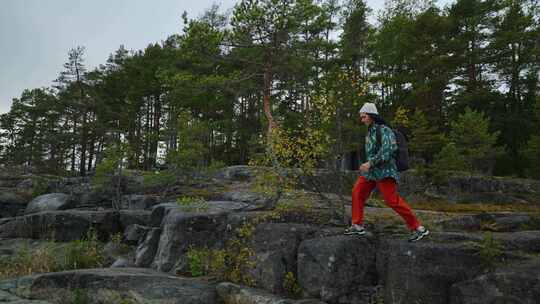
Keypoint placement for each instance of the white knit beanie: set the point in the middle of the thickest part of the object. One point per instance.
(369, 108)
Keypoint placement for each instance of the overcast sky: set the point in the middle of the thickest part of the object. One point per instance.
(36, 35)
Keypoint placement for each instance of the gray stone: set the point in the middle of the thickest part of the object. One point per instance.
(236, 173)
(515, 284)
(11, 203)
(526, 241)
(25, 185)
(200, 230)
(50, 202)
(94, 198)
(231, 293)
(275, 247)
(498, 221)
(64, 225)
(227, 206)
(146, 251)
(122, 262)
(423, 272)
(138, 201)
(255, 201)
(159, 211)
(332, 267)
(131, 217)
(112, 285)
(135, 233)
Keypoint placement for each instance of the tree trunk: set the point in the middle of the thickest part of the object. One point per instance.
(267, 90)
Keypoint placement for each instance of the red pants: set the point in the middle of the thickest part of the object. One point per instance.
(387, 186)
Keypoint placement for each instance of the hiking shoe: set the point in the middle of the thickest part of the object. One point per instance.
(355, 229)
(418, 234)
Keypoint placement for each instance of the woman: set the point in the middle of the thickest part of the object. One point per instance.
(380, 171)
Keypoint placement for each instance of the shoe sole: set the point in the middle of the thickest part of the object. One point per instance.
(354, 233)
(420, 237)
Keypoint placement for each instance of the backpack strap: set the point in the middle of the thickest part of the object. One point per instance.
(378, 135)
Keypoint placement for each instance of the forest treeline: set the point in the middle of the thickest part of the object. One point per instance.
(460, 80)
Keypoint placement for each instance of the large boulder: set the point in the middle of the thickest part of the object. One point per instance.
(50, 202)
(112, 285)
(64, 225)
(182, 230)
(275, 247)
(337, 269)
(423, 272)
(514, 284)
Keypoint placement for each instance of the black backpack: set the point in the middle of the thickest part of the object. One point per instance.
(402, 154)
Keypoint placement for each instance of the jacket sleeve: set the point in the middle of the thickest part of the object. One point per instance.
(387, 149)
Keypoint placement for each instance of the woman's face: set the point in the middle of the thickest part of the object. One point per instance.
(366, 119)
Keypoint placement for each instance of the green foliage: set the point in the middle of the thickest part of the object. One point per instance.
(84, 253)
(190, 154)
(197, 260)
(490, 251)
(201, 92)
(116, 240)
(192, 204)
(39, 187)
(450, 159)
(426, 140)
(160, 179)
(531, 153)
(471, 147)
(109, 167)
(80, 296)
(291, 286)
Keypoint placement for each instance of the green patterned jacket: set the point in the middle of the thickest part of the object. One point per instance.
(382, 160)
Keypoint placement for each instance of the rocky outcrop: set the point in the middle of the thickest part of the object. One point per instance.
(180, 230)
(290, 257)
(338, 269)
(423, 272)
(518, 284)
(494, 221)
(138, 201)
(236, 294)
(455, 188)
(11, 203)
(111, 286)
(146, 251)
(275, 251)
(65, 225)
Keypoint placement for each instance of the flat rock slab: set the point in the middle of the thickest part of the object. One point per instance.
(515, 284)
(67, 225)
(235, 294)
(112, 285)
